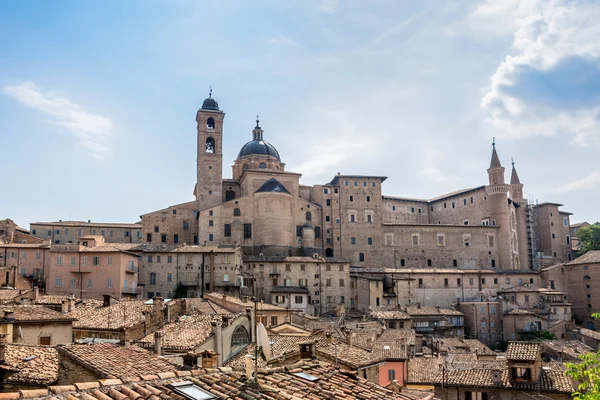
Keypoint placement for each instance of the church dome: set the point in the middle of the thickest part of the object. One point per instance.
(210, 104)
(258, 147)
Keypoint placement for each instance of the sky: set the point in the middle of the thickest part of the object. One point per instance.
(98, 98)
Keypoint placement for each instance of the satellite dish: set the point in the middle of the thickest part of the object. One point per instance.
(262, 340)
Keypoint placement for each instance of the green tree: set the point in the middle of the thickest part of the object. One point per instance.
(586, 374)
(544, 335)
(180, 292)
(589, 238)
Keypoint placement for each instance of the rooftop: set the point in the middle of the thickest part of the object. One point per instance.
(588, 258)
(33, 314)
(430, 310)
(423, 370)
(32, 365)
(187, 333)
(385, 315)
(523, 351)
(113, 361)
(137, 225)
(91, 314)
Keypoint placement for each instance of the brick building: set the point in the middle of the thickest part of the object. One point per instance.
(63, 232)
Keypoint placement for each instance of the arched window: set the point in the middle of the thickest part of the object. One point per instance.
(329, 252)
(210, 145)
(308, 216)
(237, 212)
(587, 278)
(361, 257)
(210, 123)
(152, 278)
(245, 167)
(262, 165)
(239, 338)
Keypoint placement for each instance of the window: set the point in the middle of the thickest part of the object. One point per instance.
(152, 278)
(361, 257)
(175, 238)
(368, 199)
(453, 205)
(466, 240)
(342, 283)
(326, 191)
(58, 260)
(568, 239)
(507, 280)
(58, 282)
(415, 239)
(471, 199)
(483, 281)
(45, 340)
(455, 263)
(369, 216)
(288, 267)
(148, 237)
(328, 202)
(352, 240)
(262, 165)
(470, 281)
(553, 236)
(420, 282)
(247, 231)
(169, 259)
(237, 212)
(95, 260)
(302, 282)
(526, 298)
(429, 262)
(369, 241)
(210, 145)
(445, 282)
(351, 198)
(186, 225)
(211, 237)
(585, 278)
(279, 299)
(227, 230)
(225, 259)
(38, 255)
(225, 277)
(458, 282)
(149, 257)
(89, 285)
(302, 267)
(317, 232)
(441, 239)
(211, 222)
(156, 229)
(84, 260)
(402, 263)
(308, 216)
(476, 396)
(73, 261)
(328, 282)
(109, 260)
(391, 375)
(565, 221)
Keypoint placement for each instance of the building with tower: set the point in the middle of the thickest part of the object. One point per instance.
(266, 212)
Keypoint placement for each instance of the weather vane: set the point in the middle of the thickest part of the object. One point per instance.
(210, 91)
(494, 141)
(257, 120)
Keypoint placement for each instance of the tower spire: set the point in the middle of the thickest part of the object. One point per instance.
(257, 132)
(514, 177)
(495, 162)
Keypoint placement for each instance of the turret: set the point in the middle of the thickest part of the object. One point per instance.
(496, 170)
(516, 188)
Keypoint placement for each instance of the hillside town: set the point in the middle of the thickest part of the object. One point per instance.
(260, 287)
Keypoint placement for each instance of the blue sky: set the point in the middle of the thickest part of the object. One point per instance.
(98, 98)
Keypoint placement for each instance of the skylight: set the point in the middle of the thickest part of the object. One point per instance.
(306, 376)
(191, 391)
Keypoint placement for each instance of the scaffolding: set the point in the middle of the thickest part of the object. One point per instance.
(532, 236)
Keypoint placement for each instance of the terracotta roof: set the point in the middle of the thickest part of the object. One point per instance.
(205, 249)
(430, 310)
(32, 365)
(189, 332)
(113, 361)
(481, 375)
(353, 356)
(396, 314)
(423, 370)
(7, 294)
(589, 333)
(34, 313)
(588, 258)
(91, 314)
(204, 306)
(572, 348)
(25, 245)
(52, 299)
(284, 383)
(523, 351)
(238, 301)
(109, 247)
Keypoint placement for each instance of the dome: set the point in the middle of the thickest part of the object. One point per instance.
(210, 104)
(258, 147)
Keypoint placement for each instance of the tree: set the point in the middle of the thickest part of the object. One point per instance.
(180, 292)
(589, 238)
(544, 335)
(587, 374)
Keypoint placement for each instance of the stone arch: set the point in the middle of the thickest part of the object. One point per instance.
(210, 145)
(210, 123)
(329, 252)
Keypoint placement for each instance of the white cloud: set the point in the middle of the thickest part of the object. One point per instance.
(546, 32)
(89, 129)
(282, 40)
(591, 181)
(329, 6)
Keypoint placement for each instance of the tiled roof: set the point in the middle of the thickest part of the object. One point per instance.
(430, 310)
(51, 299)
(352, 356)
(238, 301)
(205, 249)
(113, 361)
(523, 351)
(589, 333)
(34, 313)
(203, 306)
(189, 332)
(588, 258)
(282, 383)
(109, 248)
(91, 314)
(33, 365)
(423, 370)
(481, 375)
(396, 314)
(478, 347)
(573, 348)
(7, 294)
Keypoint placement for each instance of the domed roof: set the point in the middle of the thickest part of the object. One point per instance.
(258, 147)
(272, 185)
(210, 104)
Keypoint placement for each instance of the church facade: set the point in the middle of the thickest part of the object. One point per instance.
(265, 210)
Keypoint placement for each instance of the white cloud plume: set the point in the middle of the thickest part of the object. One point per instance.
(591, 181)
(89, 129)
(546, 33)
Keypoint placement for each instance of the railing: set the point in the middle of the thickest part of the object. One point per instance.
(131, 269)
(129, 290)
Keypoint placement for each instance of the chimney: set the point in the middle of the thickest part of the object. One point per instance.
(209, 359)
(158, 338)
(245, 299)
(64, 306)
(218, 333)
(190, 360)
(249, 361)
(3, 341)
(157, 305)
(106, 300)
(71, 304)
(9, 316)
(36, 293)
(349, 337)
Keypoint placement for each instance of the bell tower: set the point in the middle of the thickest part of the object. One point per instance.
(209, 162)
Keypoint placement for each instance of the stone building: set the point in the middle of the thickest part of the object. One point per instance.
(35, 325)
(553, 234)
(10, 232)
(64, 232)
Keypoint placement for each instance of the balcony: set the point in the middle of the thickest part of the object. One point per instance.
(129, 290)
(189, 283)
(274, 273)
(131, 269)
